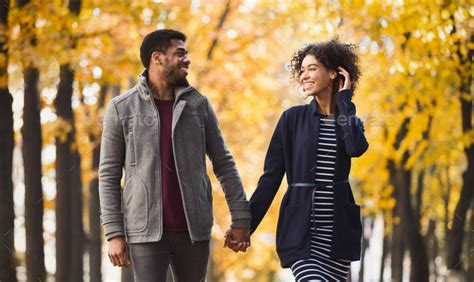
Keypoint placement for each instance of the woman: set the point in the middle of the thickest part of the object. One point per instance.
(319, 228)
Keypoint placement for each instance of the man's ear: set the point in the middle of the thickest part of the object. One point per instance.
(156, 57)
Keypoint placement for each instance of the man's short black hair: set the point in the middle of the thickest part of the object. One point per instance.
(158, 40)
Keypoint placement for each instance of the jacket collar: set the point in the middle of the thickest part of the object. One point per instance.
(144, 89)
(313, 105)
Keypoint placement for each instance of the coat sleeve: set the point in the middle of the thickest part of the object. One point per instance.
(112, 157)
(226, 172)
(354, 139)
(269, 182)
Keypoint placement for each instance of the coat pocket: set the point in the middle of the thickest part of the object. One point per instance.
(293, 227)
(203, 142)
(353, 226)
(135, 205)
(131, 147)
(205, 205)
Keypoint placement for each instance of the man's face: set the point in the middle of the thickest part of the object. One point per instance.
(176, 63)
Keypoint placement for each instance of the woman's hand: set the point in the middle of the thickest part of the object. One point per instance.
(347, 80)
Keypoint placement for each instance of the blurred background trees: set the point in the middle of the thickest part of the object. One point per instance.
(62, 61)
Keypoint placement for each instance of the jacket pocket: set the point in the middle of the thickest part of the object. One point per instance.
(353, 227)
(131, 147)
(135, 205)
(205, 205)
(203, 142)
(293, 227)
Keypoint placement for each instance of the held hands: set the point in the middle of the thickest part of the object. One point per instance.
(237, 239)
(118, 252)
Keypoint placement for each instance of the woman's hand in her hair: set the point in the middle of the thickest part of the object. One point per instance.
(346, 84)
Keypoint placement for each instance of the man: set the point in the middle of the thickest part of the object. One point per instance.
(159, 132)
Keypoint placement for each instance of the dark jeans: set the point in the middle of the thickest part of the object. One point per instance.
(188, 261)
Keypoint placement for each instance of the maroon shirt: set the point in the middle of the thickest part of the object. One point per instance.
(173, 211)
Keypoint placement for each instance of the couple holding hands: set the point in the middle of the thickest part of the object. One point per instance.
(158, 135)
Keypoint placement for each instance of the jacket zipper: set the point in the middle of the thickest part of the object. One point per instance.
(178, 175)
(177, 172)
(159, 161)
(181, 189)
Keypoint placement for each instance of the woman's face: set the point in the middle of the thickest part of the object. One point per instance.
(315, 77)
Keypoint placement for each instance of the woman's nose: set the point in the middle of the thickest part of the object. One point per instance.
(303, 76)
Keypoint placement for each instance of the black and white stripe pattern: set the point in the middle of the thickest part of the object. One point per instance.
(320, 267)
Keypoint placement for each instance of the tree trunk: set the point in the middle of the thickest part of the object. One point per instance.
(69, 228)
(70, 233)
(419, 270)
(31, 151)
(432, 247)
(385, 245)
(367, 223)
(455, 239)
(397, 254)
(446, 199)
(419, 195)
(397, 247)
(401, 179)
(95, 235)
(470, 270)
(32, 143)
(7, 251)
(456, 234)
(77, 226)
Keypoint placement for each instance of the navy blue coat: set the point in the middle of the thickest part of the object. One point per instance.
(292, 150)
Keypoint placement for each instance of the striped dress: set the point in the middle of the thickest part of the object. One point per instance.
(320, 267)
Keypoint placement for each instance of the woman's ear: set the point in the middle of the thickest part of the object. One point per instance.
(332, 74)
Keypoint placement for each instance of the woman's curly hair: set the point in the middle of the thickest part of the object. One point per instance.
(332, 54)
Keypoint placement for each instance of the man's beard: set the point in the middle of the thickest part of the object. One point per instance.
(174, 78)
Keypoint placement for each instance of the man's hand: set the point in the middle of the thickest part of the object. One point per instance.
(237, 239)
(118, 252)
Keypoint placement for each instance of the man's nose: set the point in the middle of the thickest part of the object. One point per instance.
(186, 60)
